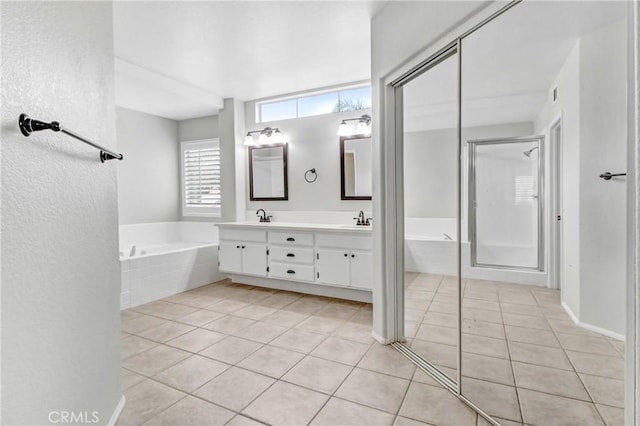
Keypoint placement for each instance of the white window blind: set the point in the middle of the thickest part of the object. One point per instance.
(201, 193)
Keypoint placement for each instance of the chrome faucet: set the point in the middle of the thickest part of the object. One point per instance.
(361, 220)
(264, 217)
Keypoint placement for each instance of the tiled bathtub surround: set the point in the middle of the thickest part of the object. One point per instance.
(170, 257)
(149, 278)
(524, 360)
(234, 354)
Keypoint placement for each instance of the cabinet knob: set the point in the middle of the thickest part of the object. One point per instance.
(291, 239)
(353, 255)
(243, 247)
(345, 255)
(291, 255)
(237, 246)
(291, 271)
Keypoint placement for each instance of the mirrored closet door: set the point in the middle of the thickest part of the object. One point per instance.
(430, 214)
(523, 311)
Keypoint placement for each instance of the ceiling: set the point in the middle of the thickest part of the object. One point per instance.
(508, 66)
(181, 59)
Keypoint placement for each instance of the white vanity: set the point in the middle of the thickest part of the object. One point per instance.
(326, 260)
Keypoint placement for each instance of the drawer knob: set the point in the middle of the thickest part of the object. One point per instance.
(291, 255)
(291, 271)
(291, 239)
(345, 255)
(237, 246)
(353, 255)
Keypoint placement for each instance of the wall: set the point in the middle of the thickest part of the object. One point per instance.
(592, 92)
(198, 128)
(148, 180)
(602, 204)
(568, 105)
(313, 143)
(60, 268)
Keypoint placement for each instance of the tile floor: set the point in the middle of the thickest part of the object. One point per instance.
(239, 355)
(524, 360)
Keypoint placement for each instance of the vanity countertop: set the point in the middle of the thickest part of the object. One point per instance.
(298, 226)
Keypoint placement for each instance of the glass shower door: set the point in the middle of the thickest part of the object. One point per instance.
(505, 202)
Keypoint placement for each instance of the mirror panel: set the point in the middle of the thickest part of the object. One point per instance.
(541, 85)
(268, 173)
(356, 177)
(430, 180)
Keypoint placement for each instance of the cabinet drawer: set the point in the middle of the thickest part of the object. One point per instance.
(291, 254)
(291, 238)
(291, 271)
(243, 235)
(361, 242)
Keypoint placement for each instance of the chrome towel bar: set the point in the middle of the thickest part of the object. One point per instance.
(28, 125)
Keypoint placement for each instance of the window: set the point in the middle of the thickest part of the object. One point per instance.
(201, 178)
(351, 99)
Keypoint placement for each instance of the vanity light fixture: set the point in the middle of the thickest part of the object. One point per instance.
(266, 136)
(363, 127)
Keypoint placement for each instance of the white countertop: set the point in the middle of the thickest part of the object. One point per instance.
(299, 226)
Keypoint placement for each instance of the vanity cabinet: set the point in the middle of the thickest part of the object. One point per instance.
(345, 261)
(320, 259)
(243, 252)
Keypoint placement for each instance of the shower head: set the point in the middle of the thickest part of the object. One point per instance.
(528, 153)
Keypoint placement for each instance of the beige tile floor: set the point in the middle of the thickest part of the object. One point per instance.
(524, 360)
(240, 355)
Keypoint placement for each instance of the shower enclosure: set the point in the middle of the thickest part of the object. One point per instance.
(506, 203)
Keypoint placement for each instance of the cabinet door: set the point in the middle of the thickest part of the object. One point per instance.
(333, 266)
(230, 257)
(254, 259)
(361, 269)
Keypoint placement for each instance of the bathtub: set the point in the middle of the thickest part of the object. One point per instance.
(427, 247)
(168, 258)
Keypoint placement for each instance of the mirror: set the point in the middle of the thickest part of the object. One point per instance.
(268, 173)
(355, 167)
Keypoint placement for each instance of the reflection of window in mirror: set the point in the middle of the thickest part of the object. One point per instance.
(355, 167)
(268, 172)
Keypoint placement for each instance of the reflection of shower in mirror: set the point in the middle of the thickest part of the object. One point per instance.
(528, 153)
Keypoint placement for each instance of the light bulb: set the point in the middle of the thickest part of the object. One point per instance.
(277, 137)
(343, 129)
(361, 128)
(262, 139)
(248, 140)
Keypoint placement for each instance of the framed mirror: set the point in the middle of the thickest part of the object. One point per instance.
(355, 167)
(268, 173)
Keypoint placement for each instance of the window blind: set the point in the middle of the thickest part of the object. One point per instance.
(201, 178)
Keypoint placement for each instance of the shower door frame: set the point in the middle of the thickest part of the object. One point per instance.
(471, 207)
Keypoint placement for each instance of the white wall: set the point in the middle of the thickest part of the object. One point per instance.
(591, 98)
(149, 177)
(198, 128)
(313, 143)
(603, 204)
(60, 268)
(568, 106)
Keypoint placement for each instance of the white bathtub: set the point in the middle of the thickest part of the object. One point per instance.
(169, 258)
(428, 250)
(427, 247)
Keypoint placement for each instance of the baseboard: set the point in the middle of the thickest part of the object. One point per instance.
(380, 339)
(117, 411)
(591, 327)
